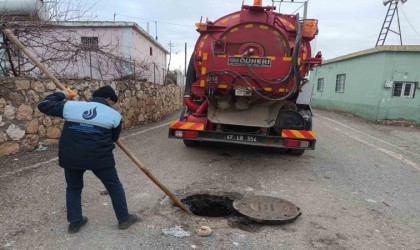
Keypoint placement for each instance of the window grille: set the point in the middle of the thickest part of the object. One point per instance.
(90, 43)
(320, 85)
(340, 83)
(404, 89)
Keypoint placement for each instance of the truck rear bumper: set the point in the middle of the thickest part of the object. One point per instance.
(242, 138)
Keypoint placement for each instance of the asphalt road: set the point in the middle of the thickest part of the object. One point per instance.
(359, 189)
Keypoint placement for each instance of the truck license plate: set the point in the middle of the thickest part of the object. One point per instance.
(244, 138)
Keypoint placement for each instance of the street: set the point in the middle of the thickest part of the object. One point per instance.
(359, 189)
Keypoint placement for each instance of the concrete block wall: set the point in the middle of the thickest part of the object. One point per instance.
(23, 127)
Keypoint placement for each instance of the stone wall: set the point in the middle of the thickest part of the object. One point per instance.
(23, 127)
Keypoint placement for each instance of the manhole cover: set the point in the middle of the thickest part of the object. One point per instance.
(267, 209)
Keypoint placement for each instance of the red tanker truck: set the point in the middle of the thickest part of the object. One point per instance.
(246, 81)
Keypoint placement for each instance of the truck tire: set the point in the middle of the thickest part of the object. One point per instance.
(288, 119)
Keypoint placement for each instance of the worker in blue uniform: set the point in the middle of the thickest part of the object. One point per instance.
(86, 143)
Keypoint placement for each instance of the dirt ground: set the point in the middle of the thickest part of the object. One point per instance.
(358, 189)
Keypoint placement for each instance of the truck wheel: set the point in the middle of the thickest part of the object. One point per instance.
(191, 143)
(297, 152)
(288, 119)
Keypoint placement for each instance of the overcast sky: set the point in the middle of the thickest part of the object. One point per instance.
(344, 26)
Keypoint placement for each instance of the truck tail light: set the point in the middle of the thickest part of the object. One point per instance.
(186, 134)
(190, 134)
(291, 143)
(296, 144)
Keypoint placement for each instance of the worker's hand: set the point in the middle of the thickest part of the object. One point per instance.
(70, 94)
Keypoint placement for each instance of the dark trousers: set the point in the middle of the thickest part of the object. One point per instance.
(109, 177)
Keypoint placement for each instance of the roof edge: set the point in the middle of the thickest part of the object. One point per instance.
(385, 48)
(101, 24)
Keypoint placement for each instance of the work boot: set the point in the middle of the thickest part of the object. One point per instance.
(74, 227)
(128, 222)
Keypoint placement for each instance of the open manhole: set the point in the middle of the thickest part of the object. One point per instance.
(262, 209)
(209, 205)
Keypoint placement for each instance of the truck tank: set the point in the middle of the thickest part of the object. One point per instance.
(245, 77)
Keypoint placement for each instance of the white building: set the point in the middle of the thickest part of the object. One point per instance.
(111, 50)
(93, 49)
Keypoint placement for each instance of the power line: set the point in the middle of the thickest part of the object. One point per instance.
(411, 25)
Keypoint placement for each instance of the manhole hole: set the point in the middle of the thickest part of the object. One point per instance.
(259, 208)
(209, 205)
(267, 209)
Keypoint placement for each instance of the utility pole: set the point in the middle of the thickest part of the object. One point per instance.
(185, 63)
(156, 30)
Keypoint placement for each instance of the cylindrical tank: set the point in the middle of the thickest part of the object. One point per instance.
(255, 50)
(22, 8)
(246, 67)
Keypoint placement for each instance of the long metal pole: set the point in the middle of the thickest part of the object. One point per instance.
(138, 163)
(185, 62)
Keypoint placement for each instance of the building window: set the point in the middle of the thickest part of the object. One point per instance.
(151, 51)
(340, 83)
(320, 85)
(404, 89)
(90, 43)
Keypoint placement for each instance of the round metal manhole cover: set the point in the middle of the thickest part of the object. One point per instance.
(267, 209)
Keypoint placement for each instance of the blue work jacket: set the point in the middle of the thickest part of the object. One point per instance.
(89, 132)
